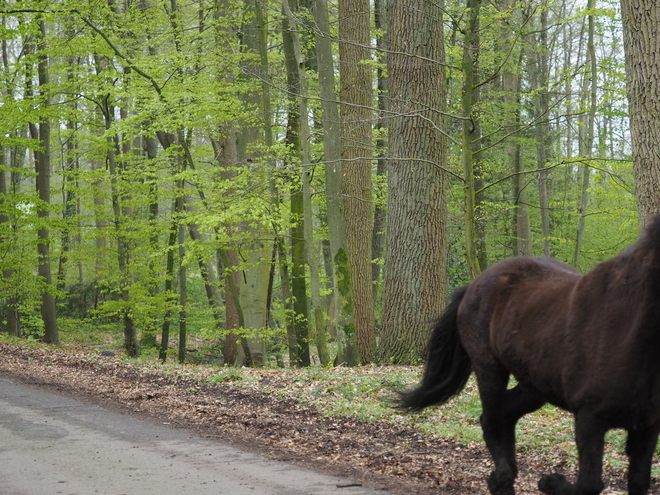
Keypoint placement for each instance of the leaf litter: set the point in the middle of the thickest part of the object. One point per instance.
(335, 420)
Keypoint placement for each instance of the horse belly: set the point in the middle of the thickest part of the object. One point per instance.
(531, 350)
(539, 379)
(624, 396)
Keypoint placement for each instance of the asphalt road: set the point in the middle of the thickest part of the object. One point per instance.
(55, 445)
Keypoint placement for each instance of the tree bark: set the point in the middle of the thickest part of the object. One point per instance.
(523, 236)
(641, 37)
(542, 108)
(11, 303)
(43, 171)
(355, 95)
(416, 248)
(254, 282)
(346, 351)
(297, 137)
(471, 134)
(183, 286)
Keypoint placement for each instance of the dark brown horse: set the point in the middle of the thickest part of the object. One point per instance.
(589, 344)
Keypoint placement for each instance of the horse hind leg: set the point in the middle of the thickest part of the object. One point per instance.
(501, 411)
(640, 449)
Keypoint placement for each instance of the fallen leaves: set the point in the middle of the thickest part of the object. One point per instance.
(318, 419)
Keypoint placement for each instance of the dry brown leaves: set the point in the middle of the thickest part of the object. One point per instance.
(394, 458)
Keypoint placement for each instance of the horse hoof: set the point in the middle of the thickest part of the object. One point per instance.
(500, 485)
(555, 484)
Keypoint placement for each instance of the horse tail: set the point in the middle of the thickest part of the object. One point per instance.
(448, 364)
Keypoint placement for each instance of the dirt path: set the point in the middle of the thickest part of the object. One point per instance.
(379, 455)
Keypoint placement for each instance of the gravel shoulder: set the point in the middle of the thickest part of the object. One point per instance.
(384, 456)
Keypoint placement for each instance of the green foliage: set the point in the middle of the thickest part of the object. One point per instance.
(167, 94)
(226, 375)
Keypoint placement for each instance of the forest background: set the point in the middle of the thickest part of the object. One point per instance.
(299, 181)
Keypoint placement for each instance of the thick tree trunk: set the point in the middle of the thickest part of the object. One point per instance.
(226, 155)
(298, 284)
(254, 282)
(416, 248)
(356, 116)
(641, 36)
(254, 297)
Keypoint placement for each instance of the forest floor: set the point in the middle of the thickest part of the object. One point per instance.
(397, 458)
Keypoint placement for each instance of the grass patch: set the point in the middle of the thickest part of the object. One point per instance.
(366, 393)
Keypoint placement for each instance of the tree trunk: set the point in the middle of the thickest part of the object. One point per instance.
(43, 170)
(542, 109)
(471, 134)
(100, 240)
(183, 286)
(226, 157)
(316, 311)
(174, 236)
(69, 208)
(11, 303)
(356, 116)
(589, 93)
(12, 300)
(148, 338)
(296, 121)
(346, 349)
(298, 285)
(641, 37)
(416, 247)
(254, 282)
(123, 248)
(232, 308)
(522, 242)
(169, 284)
